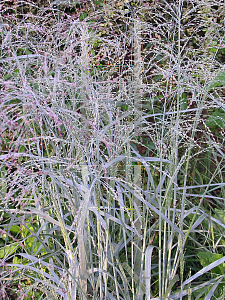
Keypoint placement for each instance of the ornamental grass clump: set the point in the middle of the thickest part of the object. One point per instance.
(112, 150)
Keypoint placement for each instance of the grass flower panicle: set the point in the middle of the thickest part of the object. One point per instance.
(112, 150)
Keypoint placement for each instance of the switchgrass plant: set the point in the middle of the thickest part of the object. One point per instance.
(112, 150)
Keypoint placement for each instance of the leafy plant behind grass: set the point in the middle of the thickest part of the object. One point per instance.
(112, 178)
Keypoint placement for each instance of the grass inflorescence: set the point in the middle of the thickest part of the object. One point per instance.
(112, 150)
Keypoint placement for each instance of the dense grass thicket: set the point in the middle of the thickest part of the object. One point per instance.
(112, 150)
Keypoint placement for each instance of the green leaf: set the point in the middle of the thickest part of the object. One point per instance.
(8, 250)
(159, 57)
(23, 51)
(7, 76)
(21, 149)
(171, 284)
(15, 228)
(83, 16)
(183, 101)
(207, 258)
(132, 274)
(134, 146)
(157, 78)
(125, 107)
(100, 3)
(31, 242)
(149, 45)
(219, 80)
(216, 120)
(220, 213)
(16, 260)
